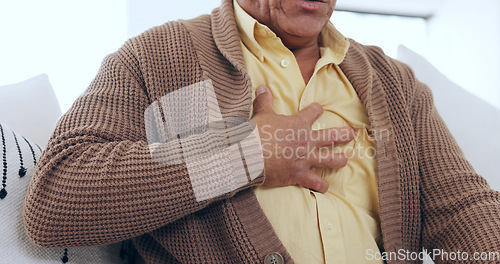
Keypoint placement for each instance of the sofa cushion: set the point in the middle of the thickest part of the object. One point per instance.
(30, 108)
(18, 158)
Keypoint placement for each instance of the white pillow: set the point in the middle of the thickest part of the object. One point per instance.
(473, 122)
(15, 246)
(30, 108)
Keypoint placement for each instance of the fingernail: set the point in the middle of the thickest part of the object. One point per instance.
(260, 90)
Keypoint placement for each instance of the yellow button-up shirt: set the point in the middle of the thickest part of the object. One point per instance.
(342, 225)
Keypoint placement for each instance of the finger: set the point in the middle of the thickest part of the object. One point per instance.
(325, 159)
(263, 102)
(335, 135)
(314, 182)
(310, 113)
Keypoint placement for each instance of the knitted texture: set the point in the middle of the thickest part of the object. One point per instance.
(19, 156)
(98, 181)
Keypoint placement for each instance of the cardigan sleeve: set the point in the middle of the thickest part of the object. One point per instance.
(460, 213)
(100, 181)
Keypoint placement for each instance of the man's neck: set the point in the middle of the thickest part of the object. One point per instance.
(307, 57)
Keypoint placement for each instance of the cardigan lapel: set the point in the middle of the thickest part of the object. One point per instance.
(234, 92)
(227, 73)
(225, 33)
(359, 70)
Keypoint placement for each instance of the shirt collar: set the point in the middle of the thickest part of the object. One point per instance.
(250, 30)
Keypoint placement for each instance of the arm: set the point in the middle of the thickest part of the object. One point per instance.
(97, 183)
(459, 210)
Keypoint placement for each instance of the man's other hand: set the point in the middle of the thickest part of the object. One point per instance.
(291, 148)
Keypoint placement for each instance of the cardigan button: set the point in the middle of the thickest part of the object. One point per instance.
(274, 258)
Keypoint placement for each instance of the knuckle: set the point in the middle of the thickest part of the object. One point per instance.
(301, 121)
(301, 178)
(334, 134)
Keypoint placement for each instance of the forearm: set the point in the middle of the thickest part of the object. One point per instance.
(114, 191)
(106, 193)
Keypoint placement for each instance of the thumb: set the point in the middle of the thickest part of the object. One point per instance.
(311, 113)
(314, 182)
(263, 101)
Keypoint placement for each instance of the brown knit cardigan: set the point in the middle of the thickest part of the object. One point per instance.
(96, 182)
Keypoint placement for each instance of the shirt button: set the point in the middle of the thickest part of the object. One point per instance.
(274, 258)
(330, 225)
(285, 63)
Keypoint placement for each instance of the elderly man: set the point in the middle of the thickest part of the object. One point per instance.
(349, 161)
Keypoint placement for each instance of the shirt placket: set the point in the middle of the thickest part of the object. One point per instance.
(330, 233)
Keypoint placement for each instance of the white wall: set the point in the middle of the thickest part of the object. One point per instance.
(67, 40)
(143, 14)
(464, 43)
(387, 32)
